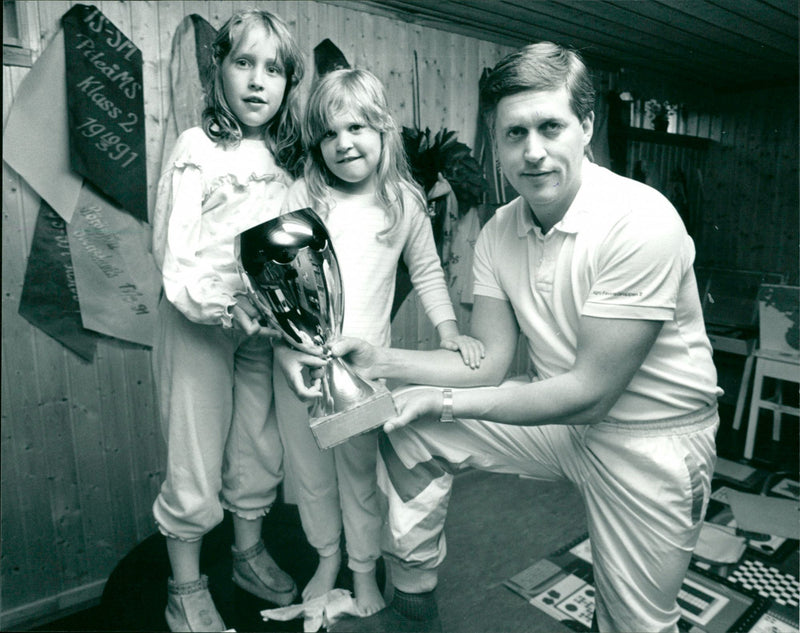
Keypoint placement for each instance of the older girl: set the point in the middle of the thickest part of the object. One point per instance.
(213, 361)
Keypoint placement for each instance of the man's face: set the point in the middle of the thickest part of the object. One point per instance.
(540, 143)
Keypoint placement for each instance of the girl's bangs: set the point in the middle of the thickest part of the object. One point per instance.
(238, 33)
(345, 102)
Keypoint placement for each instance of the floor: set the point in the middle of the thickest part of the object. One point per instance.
(489, 540)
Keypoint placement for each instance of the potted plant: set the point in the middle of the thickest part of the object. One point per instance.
(659, 112)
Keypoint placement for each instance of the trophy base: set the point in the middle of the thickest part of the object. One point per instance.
(369, 414)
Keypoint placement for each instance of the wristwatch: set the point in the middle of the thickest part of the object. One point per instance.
(447, 406)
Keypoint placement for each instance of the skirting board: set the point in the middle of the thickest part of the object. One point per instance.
(49, 609)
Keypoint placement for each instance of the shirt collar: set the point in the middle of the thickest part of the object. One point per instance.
(574, 218)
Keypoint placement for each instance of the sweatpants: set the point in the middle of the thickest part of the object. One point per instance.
(336, 487)
(223, 448)
(645, 487)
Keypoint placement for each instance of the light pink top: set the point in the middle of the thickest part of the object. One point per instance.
(207, 196)
(368, 266)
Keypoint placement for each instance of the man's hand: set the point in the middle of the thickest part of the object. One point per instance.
(413, 403)
(245, 317)
(358, 353)
(300, 370)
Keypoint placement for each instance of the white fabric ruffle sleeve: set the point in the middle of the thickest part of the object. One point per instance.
(191, 284)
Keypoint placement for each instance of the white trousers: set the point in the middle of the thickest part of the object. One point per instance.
(645, 487)
(335, 487)
(223, 448)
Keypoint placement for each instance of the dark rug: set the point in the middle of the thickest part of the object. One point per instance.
(496, 524)
(135, 595)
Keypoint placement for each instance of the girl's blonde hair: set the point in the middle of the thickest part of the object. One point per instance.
(356, 92)
(282, 134)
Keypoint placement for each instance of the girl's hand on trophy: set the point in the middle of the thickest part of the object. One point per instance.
(296, 366)
(246, 318)
(243, 321)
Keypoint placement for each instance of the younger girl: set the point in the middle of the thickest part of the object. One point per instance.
(357, 179)
(212, 360)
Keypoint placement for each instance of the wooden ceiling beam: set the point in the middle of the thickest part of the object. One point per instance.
(717, 22)
(723, 44)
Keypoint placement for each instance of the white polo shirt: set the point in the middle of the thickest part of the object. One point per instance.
(620, 251)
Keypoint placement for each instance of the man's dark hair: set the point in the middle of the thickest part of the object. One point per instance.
(540, 66)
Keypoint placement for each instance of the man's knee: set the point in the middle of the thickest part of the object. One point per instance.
(409, 467)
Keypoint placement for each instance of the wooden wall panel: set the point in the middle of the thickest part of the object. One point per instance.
(743, 186)
(83, 455)
(675, 170)
(750, 218)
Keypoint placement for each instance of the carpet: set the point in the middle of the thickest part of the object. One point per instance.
(759, 592)
(496, 523)
(497, 526)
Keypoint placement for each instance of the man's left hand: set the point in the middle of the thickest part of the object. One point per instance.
(414, 403)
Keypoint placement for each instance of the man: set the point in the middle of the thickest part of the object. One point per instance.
(596, 271)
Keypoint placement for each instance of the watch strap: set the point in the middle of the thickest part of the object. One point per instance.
(447, 406)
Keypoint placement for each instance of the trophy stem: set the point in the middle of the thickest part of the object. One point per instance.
(342, 388)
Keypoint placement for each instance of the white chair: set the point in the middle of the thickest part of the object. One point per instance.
(730, 309)
(777, 358)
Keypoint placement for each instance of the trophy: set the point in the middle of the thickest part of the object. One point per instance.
(292, 276)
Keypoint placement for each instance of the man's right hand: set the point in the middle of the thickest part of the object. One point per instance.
(358, 353)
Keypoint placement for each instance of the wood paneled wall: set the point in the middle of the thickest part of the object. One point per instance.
(82, 452)
(750, 209)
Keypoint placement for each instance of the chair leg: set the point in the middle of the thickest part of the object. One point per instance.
(755, 405)
(747, 372)
(776, 413)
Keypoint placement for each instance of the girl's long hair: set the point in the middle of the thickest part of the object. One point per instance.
(358, 93)
(282, 134)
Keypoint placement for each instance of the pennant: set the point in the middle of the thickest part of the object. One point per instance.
(36, 141)
(49, 295)
(189, 72)
(116, 278)
(328, 57)
(105, 107)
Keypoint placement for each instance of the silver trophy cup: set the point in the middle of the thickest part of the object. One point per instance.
(291, 273)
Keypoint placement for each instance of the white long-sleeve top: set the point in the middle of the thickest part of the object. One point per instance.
(207, 196)
(368, 266)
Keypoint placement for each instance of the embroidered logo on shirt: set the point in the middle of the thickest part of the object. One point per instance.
(616, 294)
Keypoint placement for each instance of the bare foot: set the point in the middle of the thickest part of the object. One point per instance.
(368, 597)
(324, 578)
